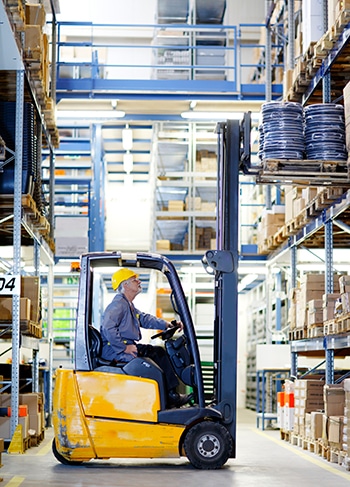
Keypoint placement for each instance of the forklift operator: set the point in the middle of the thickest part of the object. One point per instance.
(120, 331)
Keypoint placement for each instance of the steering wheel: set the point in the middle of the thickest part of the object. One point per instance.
(168, 333)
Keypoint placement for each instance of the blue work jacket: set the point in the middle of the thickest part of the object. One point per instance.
(120, 327)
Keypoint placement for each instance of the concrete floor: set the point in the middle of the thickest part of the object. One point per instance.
(263, 460)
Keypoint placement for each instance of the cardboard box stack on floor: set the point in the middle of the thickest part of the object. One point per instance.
(308, 399)
(333, 418)
(33, 421)
(346, 422)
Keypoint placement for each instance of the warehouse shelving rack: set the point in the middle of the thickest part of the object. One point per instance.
(318, 231)
(28, 224)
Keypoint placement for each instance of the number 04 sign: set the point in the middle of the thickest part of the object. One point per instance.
(10, 284)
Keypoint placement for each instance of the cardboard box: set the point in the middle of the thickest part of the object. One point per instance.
(35, 424)
(31, 399)
(33, 39)
(316, 425)
(30, 288)
(163, 245)
(176, 205)
(35, 14)
(6, 309)
(345, 302)
(335, 427)
(334, 400)
(344, 284)
(5, 427)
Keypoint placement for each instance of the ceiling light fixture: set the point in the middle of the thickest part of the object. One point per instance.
(127, 138)
(90, 114)
(197, 115)
(128, 162)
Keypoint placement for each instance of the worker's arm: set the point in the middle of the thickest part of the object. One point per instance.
(150, 321)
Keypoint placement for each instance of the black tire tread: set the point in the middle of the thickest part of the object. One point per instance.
(194, 456)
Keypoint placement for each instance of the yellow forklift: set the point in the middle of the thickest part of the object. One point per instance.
(102, 411)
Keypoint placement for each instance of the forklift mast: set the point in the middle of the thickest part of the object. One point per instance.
(224, 263)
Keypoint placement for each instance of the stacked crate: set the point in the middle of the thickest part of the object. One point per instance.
(333, 418)
(271, 221)
(30, 308)
(308, 398)
(31, 417)
(346, 425)
(206, 162)
(309, 305)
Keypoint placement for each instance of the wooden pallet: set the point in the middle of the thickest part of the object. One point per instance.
(329, 327)
(298, 334)
(285, 435)
(337, 456)
(342, 323)
(30, 215)
(322, 449)
(27, 327)
(35, 440)
(315, 331)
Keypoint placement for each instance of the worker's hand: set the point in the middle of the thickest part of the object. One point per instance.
(131, 350)
(176, 323)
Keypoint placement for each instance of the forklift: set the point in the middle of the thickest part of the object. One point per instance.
(102, 411)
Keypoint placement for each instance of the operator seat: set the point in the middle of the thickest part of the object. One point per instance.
(95, 347)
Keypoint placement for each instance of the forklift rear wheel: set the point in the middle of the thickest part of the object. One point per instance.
(60, 458)
(208, 445)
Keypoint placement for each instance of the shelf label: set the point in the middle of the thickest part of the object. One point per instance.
(10, 284)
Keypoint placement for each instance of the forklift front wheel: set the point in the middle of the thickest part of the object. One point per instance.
(60, 458)
(208, 445)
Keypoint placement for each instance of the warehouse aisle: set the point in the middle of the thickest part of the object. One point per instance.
(263, 460)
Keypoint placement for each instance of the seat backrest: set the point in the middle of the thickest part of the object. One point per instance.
(95, 346)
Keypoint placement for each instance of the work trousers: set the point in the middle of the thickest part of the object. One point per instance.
(160, 357)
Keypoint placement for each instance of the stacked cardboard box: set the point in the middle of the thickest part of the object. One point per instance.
(344, 286)
(193, 203)
(288, 415)
(176, 205)
(346, 93)
(335, 432)
(308, 398)
(270, 223)
(35, 14)
(315, 312)
(312, 287)
(6, 309)
(334, 407)
(206, 161)
(346, 426)
(30, 288)
(163, 245)
(328, 304)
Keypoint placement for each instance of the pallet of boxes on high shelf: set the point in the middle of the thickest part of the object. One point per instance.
(30, 309)
(37, 61)
(337, 318)
(309, 305)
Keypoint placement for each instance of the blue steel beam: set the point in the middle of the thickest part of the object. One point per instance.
(97, 206)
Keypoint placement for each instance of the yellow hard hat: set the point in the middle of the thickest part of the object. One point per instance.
(120, 276)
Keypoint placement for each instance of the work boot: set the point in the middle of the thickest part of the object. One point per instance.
(177, 400)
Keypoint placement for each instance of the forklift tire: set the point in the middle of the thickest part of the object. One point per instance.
(208, 445)
(60, 458)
